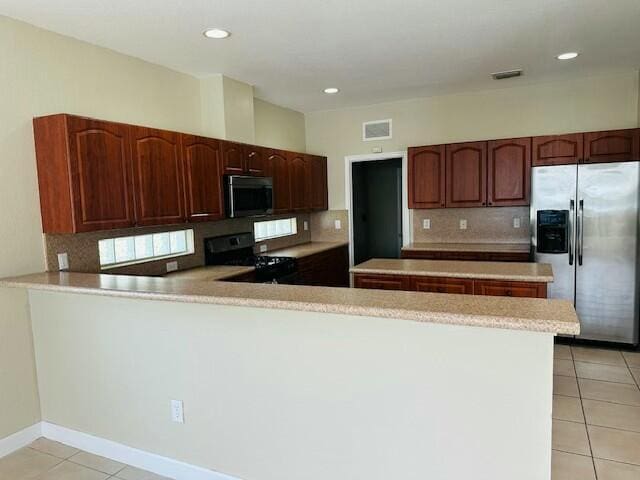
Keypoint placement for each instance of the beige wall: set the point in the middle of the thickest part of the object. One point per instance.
(279, 127)
(238, 111)
(593, 103)
(288, 395)
(45, 73)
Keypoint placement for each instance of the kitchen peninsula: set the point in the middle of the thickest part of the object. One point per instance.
(315, 375)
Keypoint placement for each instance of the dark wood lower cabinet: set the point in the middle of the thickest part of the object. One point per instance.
(249, 277)
(470, 256)
(442, 285)
(450, 285)
(325, 269)
(510, 289)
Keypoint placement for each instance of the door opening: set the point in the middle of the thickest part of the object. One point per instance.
(377, 209)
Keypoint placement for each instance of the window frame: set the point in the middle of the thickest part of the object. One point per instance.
(293, 222)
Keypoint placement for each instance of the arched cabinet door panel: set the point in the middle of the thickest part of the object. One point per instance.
(202, 168)
(427, 178)
(612, 146)
(277, 167)
(557, 149)
(509, 172)
(466, 174)
(157, 170)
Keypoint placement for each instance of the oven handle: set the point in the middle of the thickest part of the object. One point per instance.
(572, 207)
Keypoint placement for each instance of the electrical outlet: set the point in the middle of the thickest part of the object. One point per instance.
(63, 261)
(376, 150)
(426, 224)
(338, 224)
(263, 248)
(463, 224)
(172, 266)
(306, 225)
(516, 222)
(177, 411)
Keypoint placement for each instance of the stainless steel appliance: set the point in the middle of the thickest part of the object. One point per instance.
(584, 221)
(238, 250)
(248, 196)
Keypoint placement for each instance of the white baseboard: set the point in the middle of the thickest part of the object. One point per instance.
(20, 439)
(158, 464)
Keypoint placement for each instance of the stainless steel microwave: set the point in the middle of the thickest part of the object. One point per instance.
(248, 196)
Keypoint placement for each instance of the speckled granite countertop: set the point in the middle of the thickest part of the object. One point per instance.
(306, 249)
(210, 272)
(508, 271)
(469, 247)
(538, 315)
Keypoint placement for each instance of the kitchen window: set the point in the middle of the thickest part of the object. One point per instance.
(275, 228)
(115, 252)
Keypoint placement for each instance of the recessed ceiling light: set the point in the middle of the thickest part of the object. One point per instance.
(567, 56)
(217, 33)
(331, 90)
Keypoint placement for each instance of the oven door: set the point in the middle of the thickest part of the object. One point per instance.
(248, 196)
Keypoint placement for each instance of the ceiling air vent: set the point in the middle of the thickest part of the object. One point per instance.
(376, 130)
(506, 74)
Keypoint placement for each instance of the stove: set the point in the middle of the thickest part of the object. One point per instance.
(238, 249)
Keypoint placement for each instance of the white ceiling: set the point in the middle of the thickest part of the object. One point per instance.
(373, 50)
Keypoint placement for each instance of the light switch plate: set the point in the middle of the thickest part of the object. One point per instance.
(263, 248)
(516, 222)
(463, 224)
(306, 225)
(172, 266)
(426, 223)
(63, 261)
(338, 225)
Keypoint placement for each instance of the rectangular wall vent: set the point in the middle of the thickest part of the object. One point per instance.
(506, 74)
(376, 130)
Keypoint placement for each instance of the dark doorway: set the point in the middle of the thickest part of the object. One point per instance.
(377, 209)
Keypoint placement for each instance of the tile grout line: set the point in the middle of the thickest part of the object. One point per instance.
(637, 382)
(593, 462)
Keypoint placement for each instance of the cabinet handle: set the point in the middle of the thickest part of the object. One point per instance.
(509, 293)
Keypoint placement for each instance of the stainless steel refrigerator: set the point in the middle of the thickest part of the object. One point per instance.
(597, 268)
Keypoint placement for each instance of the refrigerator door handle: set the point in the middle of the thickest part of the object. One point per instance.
(580, 233)
(572, 207)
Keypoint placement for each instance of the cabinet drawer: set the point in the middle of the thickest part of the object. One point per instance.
(442, 285)
(382, 282)
(510, 289)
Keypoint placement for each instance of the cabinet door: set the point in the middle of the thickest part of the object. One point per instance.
(278, 170)
(382, 282)
(318, 180)
(427, 177)
(232, 158)
(510, 289)
(557, 149)
(509, 172)
(466, 174)
(158, 176)
(100, 172)
(299, 181)
(611, 146)
(202, 178)
(255, 160)
(442, 285)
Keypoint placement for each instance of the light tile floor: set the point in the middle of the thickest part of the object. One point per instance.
(48, 460)
(596, 414)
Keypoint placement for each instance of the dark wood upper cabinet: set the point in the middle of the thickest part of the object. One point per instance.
(278, 168)
(612, 146)
(233, 160)
(427, 177)
(509, 172)
(202, 168)
(318, 180)
(557, 149)
(84, 174)
(466, 174)
(299, 181)
(157, 170)
(254, 160)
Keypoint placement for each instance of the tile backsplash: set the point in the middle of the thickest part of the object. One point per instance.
(82, 248)
(323, 226)
(484, 225)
